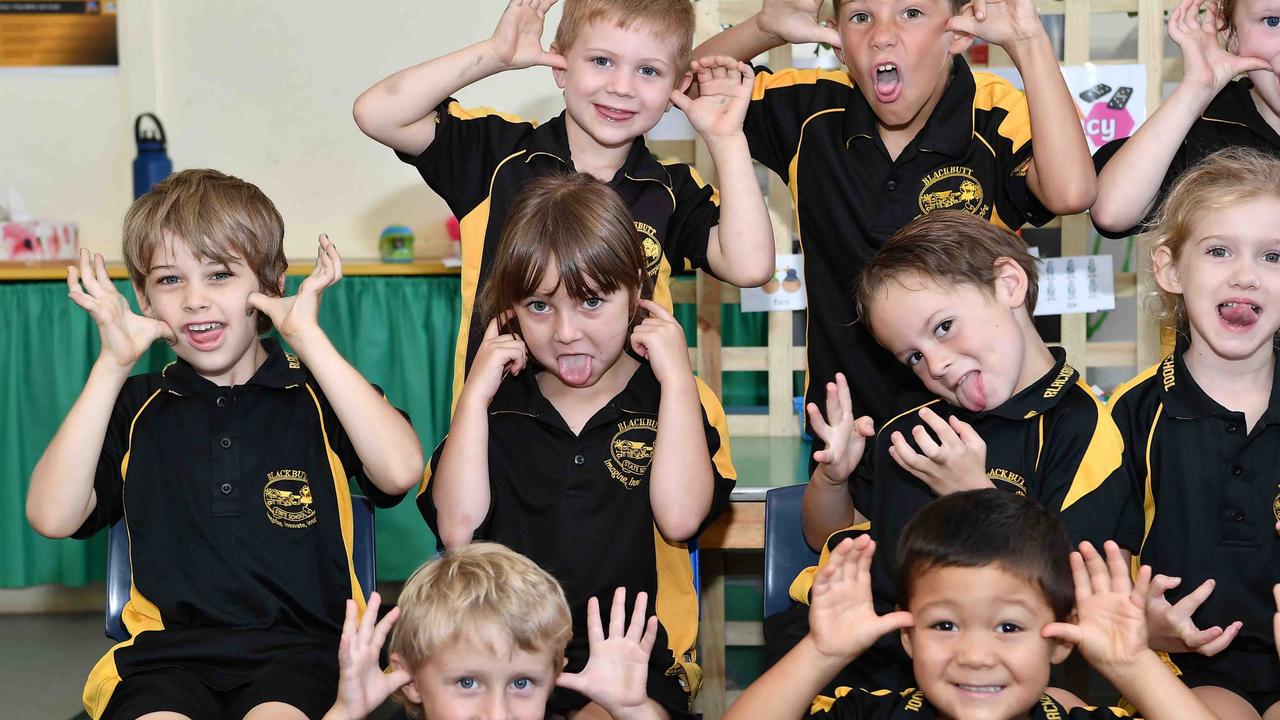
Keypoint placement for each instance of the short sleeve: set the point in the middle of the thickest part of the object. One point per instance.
(1015, 202)
(108, 479)
(775, 116)
(859, 704)
(341, 444)
(716, 427)
(469, 145)
(1081, 476)
(697, 210)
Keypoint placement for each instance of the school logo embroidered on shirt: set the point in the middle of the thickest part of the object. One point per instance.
(631, 450)
(287, 496)
(1018, 482)
(652, 248)
(1275, 506)
(952, 188)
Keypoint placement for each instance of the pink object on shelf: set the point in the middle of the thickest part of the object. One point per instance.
(38, 240)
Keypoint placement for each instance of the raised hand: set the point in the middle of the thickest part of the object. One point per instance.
(617, 667)
(956, 461)
(125, 335)
(1206, 64)
(1110, 628)
(497, 356)
(1170, 627)
(844, 435)
(362, 685)
(296, 315)
(517, 41)
(842, 618)
(1007, 23)
(724, 93)
(660, 339)
(796, 21)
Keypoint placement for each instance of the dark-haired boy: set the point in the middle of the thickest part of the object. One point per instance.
(951, 296)
(903, 130)
(988, 607)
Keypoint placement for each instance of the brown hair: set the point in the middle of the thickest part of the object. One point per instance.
(955, 6)
(978, 528)
(575, 226)
(471, 591)
(1223, 179)
(218, 217)
(946, 246)
(660, 18)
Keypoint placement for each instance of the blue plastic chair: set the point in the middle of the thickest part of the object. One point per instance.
(119, 572)
(785, 551)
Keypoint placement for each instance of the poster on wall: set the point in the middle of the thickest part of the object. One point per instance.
(1111, 100)
(59, 34)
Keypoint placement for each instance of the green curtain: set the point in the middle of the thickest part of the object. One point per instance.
(398, 331)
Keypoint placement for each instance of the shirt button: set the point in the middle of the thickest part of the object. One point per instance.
(578, 460)
(1237, 471)
(226, 488)
(222, 401)
(226, 443)
(1232, 427)
(1237, 515)
(892, 185)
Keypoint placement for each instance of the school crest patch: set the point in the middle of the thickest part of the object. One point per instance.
(287, 496)
(1015, 480)
(652, 248)
(953, 188)
(631, 450)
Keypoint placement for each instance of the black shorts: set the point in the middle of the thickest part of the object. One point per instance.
(663, 689)
(1194, 675)
(308, 682)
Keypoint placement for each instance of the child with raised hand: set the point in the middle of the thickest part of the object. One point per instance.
(987, 607)
(1208, 111)
(621, 65)
(483, 635)
(582, 438)
(1202, 437)
(235, 460)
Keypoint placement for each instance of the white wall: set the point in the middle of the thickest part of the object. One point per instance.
(258, 89)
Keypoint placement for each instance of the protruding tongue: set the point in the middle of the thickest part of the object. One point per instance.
(887, 85)
(575, 369)
(971, 392)
(1241, 314)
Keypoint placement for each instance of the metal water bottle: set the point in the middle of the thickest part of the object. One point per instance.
(152, 164)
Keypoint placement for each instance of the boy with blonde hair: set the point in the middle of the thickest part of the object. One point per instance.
(481, 632)
(621, 64)
(230, 467)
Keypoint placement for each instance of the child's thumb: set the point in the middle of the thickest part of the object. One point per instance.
(963, 24)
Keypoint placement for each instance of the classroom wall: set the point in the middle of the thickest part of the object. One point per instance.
(262, 90)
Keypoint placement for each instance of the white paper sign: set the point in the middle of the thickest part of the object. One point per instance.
(784, 291)
(1079, 284)
(1111, 100)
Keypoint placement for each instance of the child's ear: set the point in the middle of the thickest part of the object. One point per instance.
(831, 23)
(1166, 270)
(960, 43)
(905, 634)
(1061, 648)
(280, 286)
(1010, 282)
(410, 689)
(557, 73)
(682, 86)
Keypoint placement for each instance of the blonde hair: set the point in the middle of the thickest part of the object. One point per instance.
(946, 246)
(660, 18)
(471, 591)
(1222, 180)
(218, 217)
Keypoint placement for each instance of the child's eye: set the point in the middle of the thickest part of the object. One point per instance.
(220, 275)
(1217, 252)
(913, 13)
(522, 683)
(649, 71)
(860, 18)
(944, 626)
(592, 303)
(943, 328)
(601, 61)
(1008, 627)
(1272, 256)
(466, 683)
(914, 359)
(167, 280)
(538, 307)
(1271, 21)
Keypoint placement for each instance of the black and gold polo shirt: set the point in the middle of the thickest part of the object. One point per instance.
(1231, 120)
(578, 505)
(851, 704)
(1053, 442)
(1211, 499)
(818, 133)
(238, 509)
(479, 160)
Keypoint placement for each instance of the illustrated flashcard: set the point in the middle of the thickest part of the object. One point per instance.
(1110, 99)
(1079, 284)
(784, 291)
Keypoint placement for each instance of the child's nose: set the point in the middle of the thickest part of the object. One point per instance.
(194, 297)
(975, 653)
(884, 34)
(937, 362)
(566, 328)
(496, 707)
(1244, 274)
(620, 83)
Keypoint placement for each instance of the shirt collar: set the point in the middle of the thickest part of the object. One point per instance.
(520, 394)
(552, 139)
(280, 370)
(948, 128)
(1042, 395)
(1235, 105)
(1185, 399)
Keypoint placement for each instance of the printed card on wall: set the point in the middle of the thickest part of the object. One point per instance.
(1079, 284)
(784, 291)
(1111, 100)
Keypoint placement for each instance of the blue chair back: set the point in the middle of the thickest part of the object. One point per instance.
(119, 571)
(785, 551)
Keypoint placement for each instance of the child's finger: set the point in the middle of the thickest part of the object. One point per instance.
(1117, 569)
(1141, 582)
(980, 9)
(1161, 584)
(1080, 577)
(348, 627)
(383, 628)
(657, 310)
(491, 330)
(1096, 568)
(1065, 632)
(902, 454)
(965, 432)
(595, 632)
(1213, 647)
(1194, 599)
(963, 24)
(865, 426)
(87, 278)
(618, 613)
(638, 616)
(816, 422)
(650, 634)
(335, 258)
(929, 447)
(843, 394)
